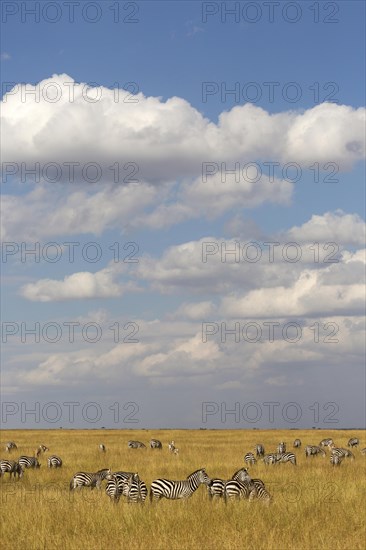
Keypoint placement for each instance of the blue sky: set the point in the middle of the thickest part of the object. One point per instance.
(169, 53)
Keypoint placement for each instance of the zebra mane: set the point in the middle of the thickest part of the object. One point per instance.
(241, 470)
(196, 472)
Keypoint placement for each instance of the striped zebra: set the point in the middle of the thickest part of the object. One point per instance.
(136, 445)
(136, 490)
(216, 488)
(41, 449)
(156, 444)
(270, 459)
(235, 489)
(10, 446)
(12, 467)
(313, 450)
(258, 489)
(85, 479)
(286, 457)
(178, 489)
(281, 448)
(353, 442)
(344, 453)
(259, 450)
(297, 443)
(29, 462)
(326, 442)
(249, 458)
(54, 461)
(116, 483)
(336, 459)
(173, 448)
(102, 448)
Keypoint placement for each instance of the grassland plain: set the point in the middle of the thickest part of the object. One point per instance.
(314, 505)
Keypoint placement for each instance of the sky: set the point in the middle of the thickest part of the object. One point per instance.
(183, 214)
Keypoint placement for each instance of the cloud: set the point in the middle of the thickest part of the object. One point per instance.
(5, 56)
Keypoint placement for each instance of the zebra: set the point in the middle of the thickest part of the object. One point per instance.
(173, 448)
(286, 457)
(116, 483)
(29, 462)
(102, 448)
(259, 450)
(297, 443)
(216, 488)
(12, 467)
(10, 446)
(178, 489)
(41, 449)
(281, 448)
(54, 462)
(258, 489)
(344, 453)
(313, 450)
(249, 458)
(136, 490)
(270, 459)
(260, 493)
(136, 445)
(156, 444)
(353, 442)
(85, 479)
(326, 442)
(238, 489)
(336, 459)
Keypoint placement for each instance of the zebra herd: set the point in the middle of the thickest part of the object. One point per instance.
(16, 468)
(272, 458)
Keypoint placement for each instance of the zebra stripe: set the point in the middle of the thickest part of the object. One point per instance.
(353, 442)
(326, 442)
(343, 453)
(249, 458)
(136, 490)
(259, 450)
(102, 448)
(235, 489)
(41, 449)
(136, 445)
(29, 462)
(286, 457)
(297, 443)
(178, 489)
(314, 450)
(336, 459)
(156, 444)
(270, 459)
(54, 462)
(85, 479)
(12, 467)
(281, 448)
(260, 493)
(216, 488)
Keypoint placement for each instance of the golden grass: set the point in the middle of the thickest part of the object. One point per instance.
(314, 505)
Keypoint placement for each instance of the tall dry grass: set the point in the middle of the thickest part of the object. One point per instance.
(314, 504)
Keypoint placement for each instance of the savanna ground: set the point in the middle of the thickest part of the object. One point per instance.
(314, 505)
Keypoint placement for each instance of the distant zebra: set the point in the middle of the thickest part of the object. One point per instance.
(335, 459)
(326, 442)
(286, 457)
(249, 458)
(156, 444)
(10, 446)
(85, 479)
(259, 450)
(41, 449)
(102, 448)
(343, 453)
(178, 489)
(353, 442)
(216, 488)
(12, 467)
(238, 489)
(270, 459)
(29, 462)
(297, 443)
(281, 447)
(136, 445)
(136, 490)
(54, 462)
(314, 450)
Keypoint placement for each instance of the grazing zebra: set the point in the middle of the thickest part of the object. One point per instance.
(54, 462)
(249, 458)
(12, 467)
(260, 493)
(313, 450)
(216, 488)
(178, 489)
(281, 448)
(326, 442)
(41, 449)
(259, 450)
(243, 475)
(84, 479)
(286, 457)
(258, 489)
(136, 445)
(156, 444)
(173, 448)
(238, 489)
(29, 462)
(297, 443)
(270, 459)
(10, 446)
(336, 459)
(136, 490)
(344, 453)
(102, 448)
(353, 442)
